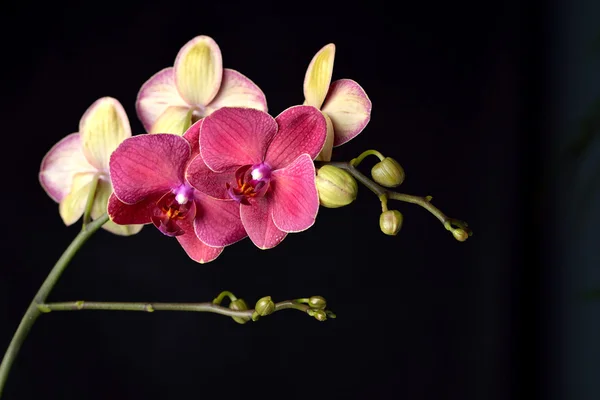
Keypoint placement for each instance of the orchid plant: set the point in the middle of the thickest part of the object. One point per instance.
(214, 168)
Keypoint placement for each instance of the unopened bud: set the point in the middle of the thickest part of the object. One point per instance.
(265, 306)
(239, 305)
(390, 222)
(320, 315)
(388, 173)
(317, 302)
(337, 188)
(460, 234)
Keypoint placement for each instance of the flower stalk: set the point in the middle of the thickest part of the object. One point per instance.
(33, 311)
(152, 307)
(87, 214)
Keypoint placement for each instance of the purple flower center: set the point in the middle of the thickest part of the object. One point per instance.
(172, 208)
(251, 181)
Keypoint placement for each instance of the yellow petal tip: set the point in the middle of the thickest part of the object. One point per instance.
(318, 76)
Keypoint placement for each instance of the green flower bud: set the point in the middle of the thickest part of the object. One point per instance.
(317, 302)
(388, 173)
(337, 188)
(320, 315)
(460, 234)
(239, 305)
(265, 306)
(390, 222)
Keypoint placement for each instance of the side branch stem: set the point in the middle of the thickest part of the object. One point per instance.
(151, 307)
(382, 192)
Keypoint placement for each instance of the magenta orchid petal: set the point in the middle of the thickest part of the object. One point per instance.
(195, 249)
(156, 95)
(192, 135)
(295, 198)
(238, 91)
(60, 164)
(214, 184)
(100, 207)
(259, 225)
(147, 164)
(349, 108)
(218, 222)
(236, 136)
(129, 214)
(302, 129)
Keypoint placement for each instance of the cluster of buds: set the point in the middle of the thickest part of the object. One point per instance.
(338, 188)
(314, 306)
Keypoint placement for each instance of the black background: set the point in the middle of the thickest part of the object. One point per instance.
(463, 97)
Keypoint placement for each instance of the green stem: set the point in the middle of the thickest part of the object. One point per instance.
(225, 293)
(33, 311)
(450, 224)
(355, 161)
(383, 198)
(151, 307)
(87, 213)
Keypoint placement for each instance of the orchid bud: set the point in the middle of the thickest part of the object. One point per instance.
(460, 234)
(388, 173)
(390, 222)
(265, 306)
(320, 315)
(337, 188)
(317, 302)
(239, 305)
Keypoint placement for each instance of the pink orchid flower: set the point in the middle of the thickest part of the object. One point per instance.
(148, 174)
(174, 98)
(344, 103)
(265, 165)
(71, 165)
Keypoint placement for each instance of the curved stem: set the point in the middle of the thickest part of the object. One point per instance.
(354, 162)
(450, 224)
(33, 311)
(219, 299)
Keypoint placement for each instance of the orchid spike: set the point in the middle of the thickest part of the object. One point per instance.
(148, 173)
(265, 165)
(197, 85)
(68, 170)
(344, 102)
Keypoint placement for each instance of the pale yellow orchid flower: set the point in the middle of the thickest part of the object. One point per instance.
(72, 165)
(344, 103)
(196, 86)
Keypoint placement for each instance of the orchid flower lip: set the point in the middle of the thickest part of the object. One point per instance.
(251, 181)
(260, 171)
(173, 207)
(183, 194)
